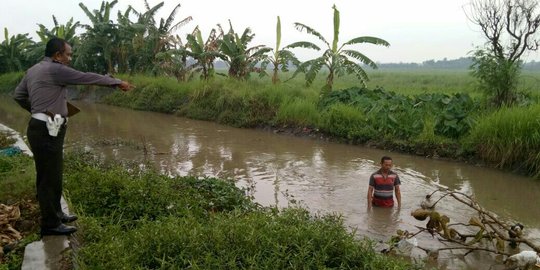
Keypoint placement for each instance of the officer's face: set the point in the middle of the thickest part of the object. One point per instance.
(65, 56)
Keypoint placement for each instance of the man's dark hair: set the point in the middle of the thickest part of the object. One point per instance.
(385, 158)
(55, 45)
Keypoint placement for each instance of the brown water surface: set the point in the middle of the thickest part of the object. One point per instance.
(325, 177)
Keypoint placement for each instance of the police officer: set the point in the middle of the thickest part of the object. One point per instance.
(42, 92)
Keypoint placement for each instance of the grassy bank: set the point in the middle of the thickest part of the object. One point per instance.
(137, 219)
(17, 188)
(509, 138)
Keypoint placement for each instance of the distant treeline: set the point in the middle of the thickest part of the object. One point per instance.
(460, 63)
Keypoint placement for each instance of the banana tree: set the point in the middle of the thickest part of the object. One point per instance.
(204, 52)
(241, 59)
(153, 47)
(63, 31)
(13, 52)
(281, 58)
(336, 58)
(96, 52)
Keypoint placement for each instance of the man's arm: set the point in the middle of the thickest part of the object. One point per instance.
(21, 95)
(370, 197)
(398, 195)
(69, 76)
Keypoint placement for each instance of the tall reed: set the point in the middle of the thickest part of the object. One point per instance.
(510, 138)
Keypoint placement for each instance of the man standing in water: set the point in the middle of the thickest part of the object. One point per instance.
(382, 185)
(42, 92)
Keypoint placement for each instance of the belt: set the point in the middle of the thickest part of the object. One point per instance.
(44, 117)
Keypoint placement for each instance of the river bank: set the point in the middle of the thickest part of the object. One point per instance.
(434, 125)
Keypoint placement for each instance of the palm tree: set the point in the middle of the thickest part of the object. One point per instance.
(281, 58)
(336, 59)
(239, 57)
(13, 52)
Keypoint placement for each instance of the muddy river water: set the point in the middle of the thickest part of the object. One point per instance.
(322, 176)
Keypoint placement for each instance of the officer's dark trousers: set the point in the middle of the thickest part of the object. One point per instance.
(48, 157)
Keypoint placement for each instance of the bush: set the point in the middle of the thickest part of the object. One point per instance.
(99, 190)
(498, 77)
(292, 239)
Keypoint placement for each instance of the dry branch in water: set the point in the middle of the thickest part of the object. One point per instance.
(483, 232)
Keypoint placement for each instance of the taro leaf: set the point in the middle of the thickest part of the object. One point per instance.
(446, 100)
(425, 97)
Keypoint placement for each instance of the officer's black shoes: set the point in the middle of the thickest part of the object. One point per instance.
(61, 229)
(65, 218)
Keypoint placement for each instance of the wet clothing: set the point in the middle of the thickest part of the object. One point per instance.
(43, 90)
(383, 188)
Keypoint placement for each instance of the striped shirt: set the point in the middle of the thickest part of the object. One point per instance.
(383, 194)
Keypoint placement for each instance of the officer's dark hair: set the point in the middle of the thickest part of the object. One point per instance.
(55, 45)
(385, 158)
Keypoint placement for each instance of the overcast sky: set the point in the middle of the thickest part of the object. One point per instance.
(417, 30)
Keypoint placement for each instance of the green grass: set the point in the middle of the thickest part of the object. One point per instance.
(298, 112)
(138, 219)
(9, 81)
(17, 178)
(418, 82)
(16, 173)
(509, 138)
(17, 182)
